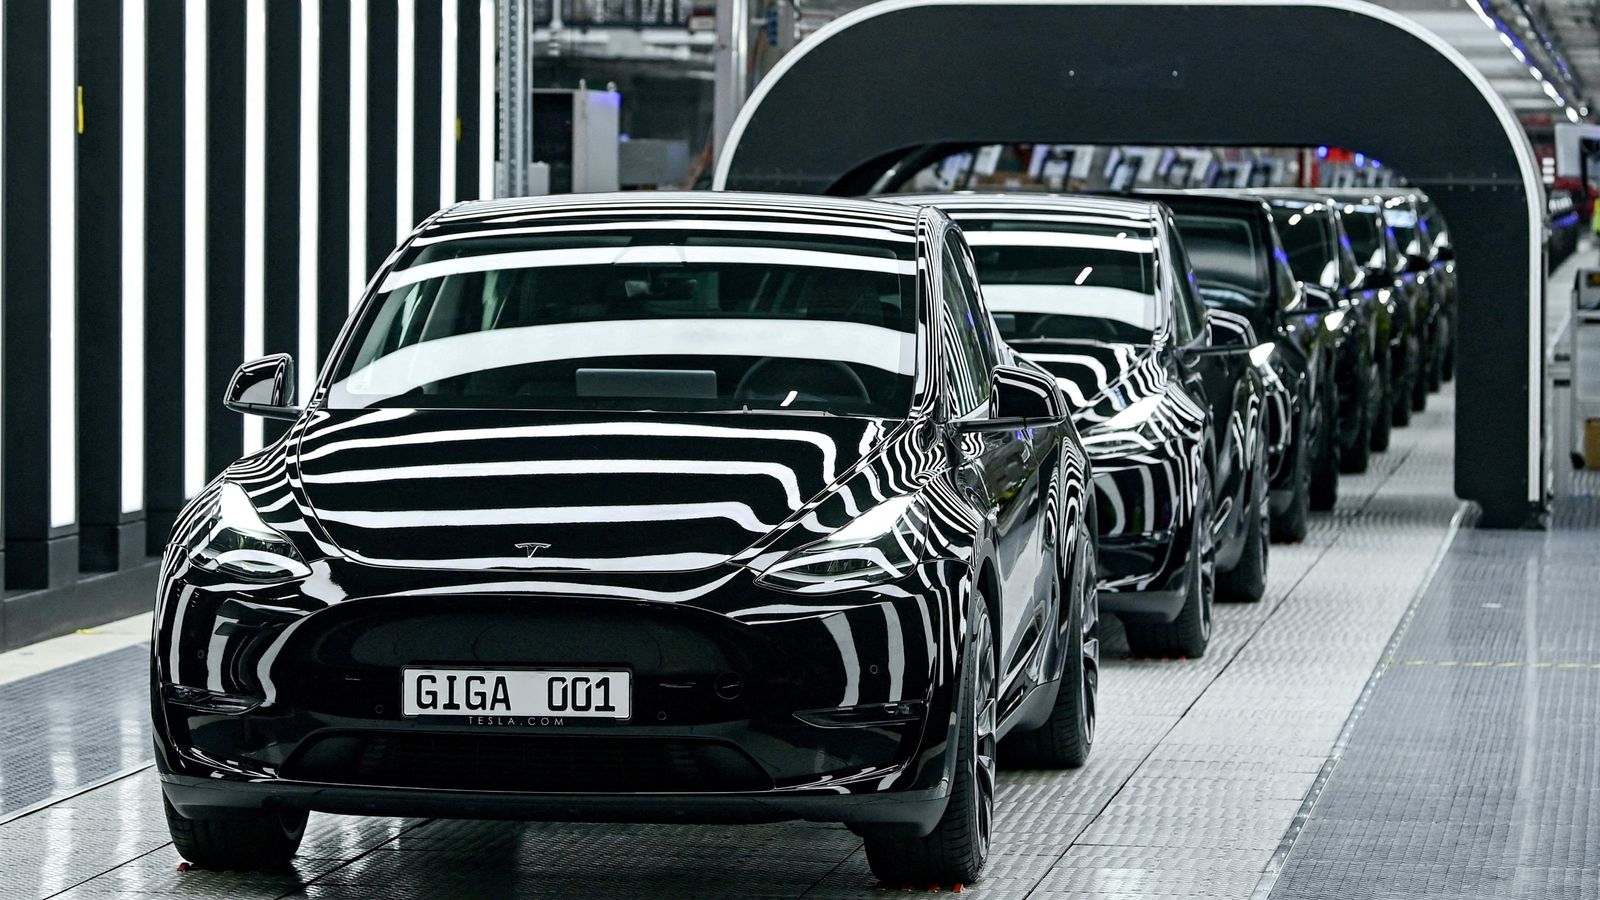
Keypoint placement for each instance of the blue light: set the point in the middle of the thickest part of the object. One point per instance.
(1322, 153)
(1361, 160)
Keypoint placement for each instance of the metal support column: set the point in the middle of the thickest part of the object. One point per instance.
(515, 85)
(731, 68)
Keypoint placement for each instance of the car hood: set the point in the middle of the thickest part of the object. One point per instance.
(556, 491)
(1100, 378)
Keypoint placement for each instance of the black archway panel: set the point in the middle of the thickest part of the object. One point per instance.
(1294, 75)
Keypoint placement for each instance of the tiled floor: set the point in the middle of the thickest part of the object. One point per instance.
(1199, 774)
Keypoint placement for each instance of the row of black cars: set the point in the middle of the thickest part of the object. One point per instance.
(739, 507)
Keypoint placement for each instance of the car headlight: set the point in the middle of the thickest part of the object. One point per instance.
(1334, 320)
(1261, 353)
(235, 541)
(1125, 431)
(878, 546)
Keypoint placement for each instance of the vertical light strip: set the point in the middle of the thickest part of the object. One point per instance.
(358, 149)
(486, 82)
(62, 132)
(310, 91)
(405, 116)
(255, 196)
(194, 247)
(133, 75)
(448, 76)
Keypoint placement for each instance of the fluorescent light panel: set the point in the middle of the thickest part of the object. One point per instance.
(133, 107)
(310, 85)
(194, 248)
(405, 117)
(448, 116)
(62, 134)
(358, 148)
(255, 195)
(486, 124)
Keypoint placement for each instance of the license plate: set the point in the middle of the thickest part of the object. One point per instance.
(598, 694)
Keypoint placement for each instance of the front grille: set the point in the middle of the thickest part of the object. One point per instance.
(526, 763)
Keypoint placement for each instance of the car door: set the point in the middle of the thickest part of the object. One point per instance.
(998, 469)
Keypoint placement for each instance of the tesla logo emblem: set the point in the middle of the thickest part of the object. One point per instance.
(532, 548)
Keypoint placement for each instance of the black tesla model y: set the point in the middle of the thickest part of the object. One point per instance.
(676, 508)
(1168, 398)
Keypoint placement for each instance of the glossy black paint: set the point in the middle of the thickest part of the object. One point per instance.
(1388, 269)
(1364, 326)
(1302, 394)
(751, 702)
(1206, 408)
(1432, 257)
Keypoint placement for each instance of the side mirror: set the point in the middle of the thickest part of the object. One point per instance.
(1020, 398)
(1317, 299)
(1416, 263)
(264, 387)
(1379, 277)
(1444, 253)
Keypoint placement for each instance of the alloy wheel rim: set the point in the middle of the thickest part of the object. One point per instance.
(1207, 553)
(1090, 683)
(984, 710)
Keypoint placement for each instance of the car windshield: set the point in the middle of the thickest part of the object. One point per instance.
(641, 320)
(1228, 259)
(1052, 281)
(1366, 237)
(1307, 235)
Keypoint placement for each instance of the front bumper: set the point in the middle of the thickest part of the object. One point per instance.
(719, 682)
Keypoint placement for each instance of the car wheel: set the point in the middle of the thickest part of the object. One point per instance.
(1382, 422)
(1246, 582)
(1448, 369)
(1190, 632)
(954, 852)
(244, 839)
(1292, 525)
(1436, 371)
(1419, 386)
(1355, 457)
(1400, 402)
(1065, 739)
(1325, 458)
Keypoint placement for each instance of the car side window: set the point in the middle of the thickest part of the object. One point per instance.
(1189, 316)
(966, 368)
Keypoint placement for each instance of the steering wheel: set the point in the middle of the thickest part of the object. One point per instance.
(794, 378)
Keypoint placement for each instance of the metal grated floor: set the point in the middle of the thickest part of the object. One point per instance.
(1201, 768)
(1474, 771)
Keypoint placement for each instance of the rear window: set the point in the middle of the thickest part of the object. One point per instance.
(1307, 235)
(1066, 281)
(1228, 258)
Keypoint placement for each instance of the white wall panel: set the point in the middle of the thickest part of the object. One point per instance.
(64, 122)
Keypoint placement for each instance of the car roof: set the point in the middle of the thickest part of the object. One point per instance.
(1114, 209)
(1218, 198)
(479, 216)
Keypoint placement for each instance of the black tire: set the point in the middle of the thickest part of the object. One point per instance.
(1356, 457)
(1419, 386)
(1292, 525)
(244, 840)
(1436, 371)
(1382, 422)
(1065, 739)
(1448, 369)
(1400, 407)
(1188, 634)
(955, 851)
(1246, 582)
(1325, 460)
